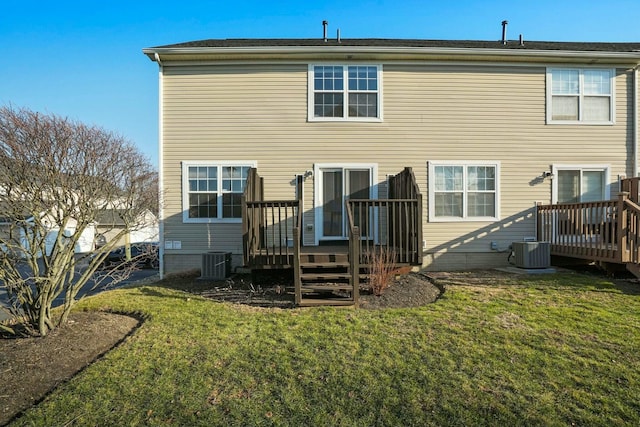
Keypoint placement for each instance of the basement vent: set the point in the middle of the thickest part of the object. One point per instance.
(216, 265)
(532, 254)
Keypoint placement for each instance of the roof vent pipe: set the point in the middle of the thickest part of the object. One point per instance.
(324, 30)
(521, 40)
(338, 36)
(504, 32)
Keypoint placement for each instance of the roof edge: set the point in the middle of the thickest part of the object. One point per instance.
(633, 55)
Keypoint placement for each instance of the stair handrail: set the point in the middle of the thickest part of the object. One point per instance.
(354, 254)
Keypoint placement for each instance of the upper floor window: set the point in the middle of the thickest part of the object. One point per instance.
(461, 191)
(213, 191)
(345, 92)
(580, 95)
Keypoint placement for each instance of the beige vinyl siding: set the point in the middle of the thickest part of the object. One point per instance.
(227, 113)
(431, 112)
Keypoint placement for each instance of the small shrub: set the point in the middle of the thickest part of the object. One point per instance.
(381, 268)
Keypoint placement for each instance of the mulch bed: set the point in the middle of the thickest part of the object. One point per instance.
(408, 290)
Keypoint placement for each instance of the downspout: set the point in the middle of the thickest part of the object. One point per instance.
(160, 168)
(636, 112)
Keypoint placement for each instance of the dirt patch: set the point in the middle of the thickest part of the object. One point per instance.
(32, 367)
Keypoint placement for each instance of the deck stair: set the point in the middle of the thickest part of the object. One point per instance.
(325, 279)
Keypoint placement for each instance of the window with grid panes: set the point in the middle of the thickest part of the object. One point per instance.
(580, 95)
(214, 191)
(345, 92)
(463, 191)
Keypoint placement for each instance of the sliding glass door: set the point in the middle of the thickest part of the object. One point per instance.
(337, 185)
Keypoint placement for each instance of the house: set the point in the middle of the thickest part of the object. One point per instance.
(12, 230)
(486, 130)
(110, 224)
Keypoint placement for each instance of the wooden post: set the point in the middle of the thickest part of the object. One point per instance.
(245, 230)
(539, 236)
(300, 197)
(419, 235)
(297, 281)
(354, 261)
(621, 228)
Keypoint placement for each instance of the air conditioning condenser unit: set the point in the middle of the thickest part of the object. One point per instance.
(216, 265)
(532, 254)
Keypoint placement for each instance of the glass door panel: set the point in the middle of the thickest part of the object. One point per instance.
(339, 185)
(568, 186)
(592, 186)
(332, 209)
(359, 188)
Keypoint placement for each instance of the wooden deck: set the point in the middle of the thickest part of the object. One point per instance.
(272, 237)
(602, 231)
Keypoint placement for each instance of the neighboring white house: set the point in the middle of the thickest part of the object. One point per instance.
(108, 225)
(85, 243)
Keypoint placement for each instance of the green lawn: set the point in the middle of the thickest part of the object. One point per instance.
(559, 349)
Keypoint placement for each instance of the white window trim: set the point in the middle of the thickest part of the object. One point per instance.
(465, 163)
(549, 100)
(317, 189)
(581, 167)
(185, 188)
(345, 118)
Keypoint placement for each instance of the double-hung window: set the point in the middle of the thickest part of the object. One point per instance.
(212, 191)
(576, 95)
(345, 92)
(461, 191)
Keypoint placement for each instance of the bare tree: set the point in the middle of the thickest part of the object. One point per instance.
(56, 176)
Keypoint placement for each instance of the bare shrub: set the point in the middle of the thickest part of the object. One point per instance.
(57, 177)
(381, 268)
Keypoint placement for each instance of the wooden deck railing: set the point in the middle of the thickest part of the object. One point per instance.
(581, 230)
(407, 224)
(394, 223)
(631, 186)
(630, 241)
(601, 231)
(271, 237)
(267, 226)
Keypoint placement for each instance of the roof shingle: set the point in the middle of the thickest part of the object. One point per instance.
(416, 43)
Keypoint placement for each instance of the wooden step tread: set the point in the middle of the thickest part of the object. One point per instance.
(303, 252)
(325, 276)
(324, 264)
(322, 287)
(324, 257)
(307, 302)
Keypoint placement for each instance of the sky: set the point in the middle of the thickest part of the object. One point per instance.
(83, 59)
